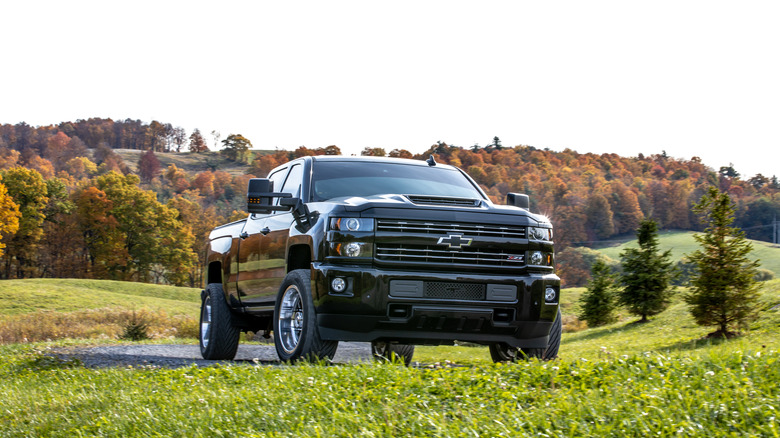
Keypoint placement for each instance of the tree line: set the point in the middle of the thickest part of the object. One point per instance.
(589, 197)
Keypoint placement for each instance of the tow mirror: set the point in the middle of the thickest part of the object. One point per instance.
(518, 200)
(260, 196)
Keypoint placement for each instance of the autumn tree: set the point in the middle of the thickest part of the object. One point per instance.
(28, 190)
(373, 152)
(599, 215)
(647, 274)
(724, 291)
(332, 150)
(599, 301)
(148, 166)
(9, 215)
(200, 222)
(145, 239)
(236, 147)
(107, 255)
(179, 137)
(197, 142)
(400, 153)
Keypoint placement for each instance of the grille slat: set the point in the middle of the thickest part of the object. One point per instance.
(465, 229)
(438, 254)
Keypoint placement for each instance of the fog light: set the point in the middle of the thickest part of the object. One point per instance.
(338, 285)
(550, 295)
(352, 249)
(536, 258)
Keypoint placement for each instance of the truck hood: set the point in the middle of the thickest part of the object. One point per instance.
(444, 208)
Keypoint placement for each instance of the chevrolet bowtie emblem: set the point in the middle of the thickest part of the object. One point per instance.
(454, 241)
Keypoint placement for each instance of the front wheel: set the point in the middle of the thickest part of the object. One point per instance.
(502, 352)
(385, 351)
(296, 335)
(218, 336)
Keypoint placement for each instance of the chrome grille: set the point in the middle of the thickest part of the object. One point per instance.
(438, 254)
(448, 228)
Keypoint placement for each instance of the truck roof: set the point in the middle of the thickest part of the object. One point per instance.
(406, 161)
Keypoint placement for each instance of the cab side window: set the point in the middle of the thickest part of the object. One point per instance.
(278, 178)
(293, 183)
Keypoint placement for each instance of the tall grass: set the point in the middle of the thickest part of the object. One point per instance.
(108, 323)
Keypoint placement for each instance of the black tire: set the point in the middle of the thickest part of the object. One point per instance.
(296, 335)
(218, 336)
(505, 353)
(385, 351)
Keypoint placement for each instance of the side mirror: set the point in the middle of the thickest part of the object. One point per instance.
(518, 200)
(260, 196)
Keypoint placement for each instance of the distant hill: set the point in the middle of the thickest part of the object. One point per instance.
(682, 242)
(189, 162)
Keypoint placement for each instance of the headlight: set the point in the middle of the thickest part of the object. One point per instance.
(351, 224)
(352, 249)
(538, 233)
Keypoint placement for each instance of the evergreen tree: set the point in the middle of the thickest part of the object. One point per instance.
(723, 292)
(598, 303)
(647, 274)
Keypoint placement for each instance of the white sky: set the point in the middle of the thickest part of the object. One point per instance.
(693, 78)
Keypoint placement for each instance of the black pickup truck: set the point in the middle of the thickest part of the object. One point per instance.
(388, 251)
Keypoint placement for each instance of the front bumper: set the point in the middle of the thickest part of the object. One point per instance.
(388, 305)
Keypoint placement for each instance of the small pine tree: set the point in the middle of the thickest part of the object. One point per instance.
(724, 291)
(598, 303)
(647, 274)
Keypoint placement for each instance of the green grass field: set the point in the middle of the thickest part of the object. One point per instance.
(626, 379)
(682, 242)
(70, 295)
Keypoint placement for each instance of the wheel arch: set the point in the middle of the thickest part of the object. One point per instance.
(298, 257)
(214, 273)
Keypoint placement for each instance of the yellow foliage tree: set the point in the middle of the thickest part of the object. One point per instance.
(9, 215)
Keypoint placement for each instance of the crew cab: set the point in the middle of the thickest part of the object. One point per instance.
(389, 251)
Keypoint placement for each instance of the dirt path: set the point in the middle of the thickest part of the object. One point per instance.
(174, 356)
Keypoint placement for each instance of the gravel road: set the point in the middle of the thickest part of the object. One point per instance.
(173, 356)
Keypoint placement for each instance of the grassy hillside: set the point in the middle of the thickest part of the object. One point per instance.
(682, 242)
(70, 295)
(189, 162)
(40, 309)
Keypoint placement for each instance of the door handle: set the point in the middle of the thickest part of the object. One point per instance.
(265, 231)
(243, 235)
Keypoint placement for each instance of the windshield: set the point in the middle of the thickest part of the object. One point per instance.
(336, 179)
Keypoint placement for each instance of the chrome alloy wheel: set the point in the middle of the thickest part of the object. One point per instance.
(290, 319)
(205, 322)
